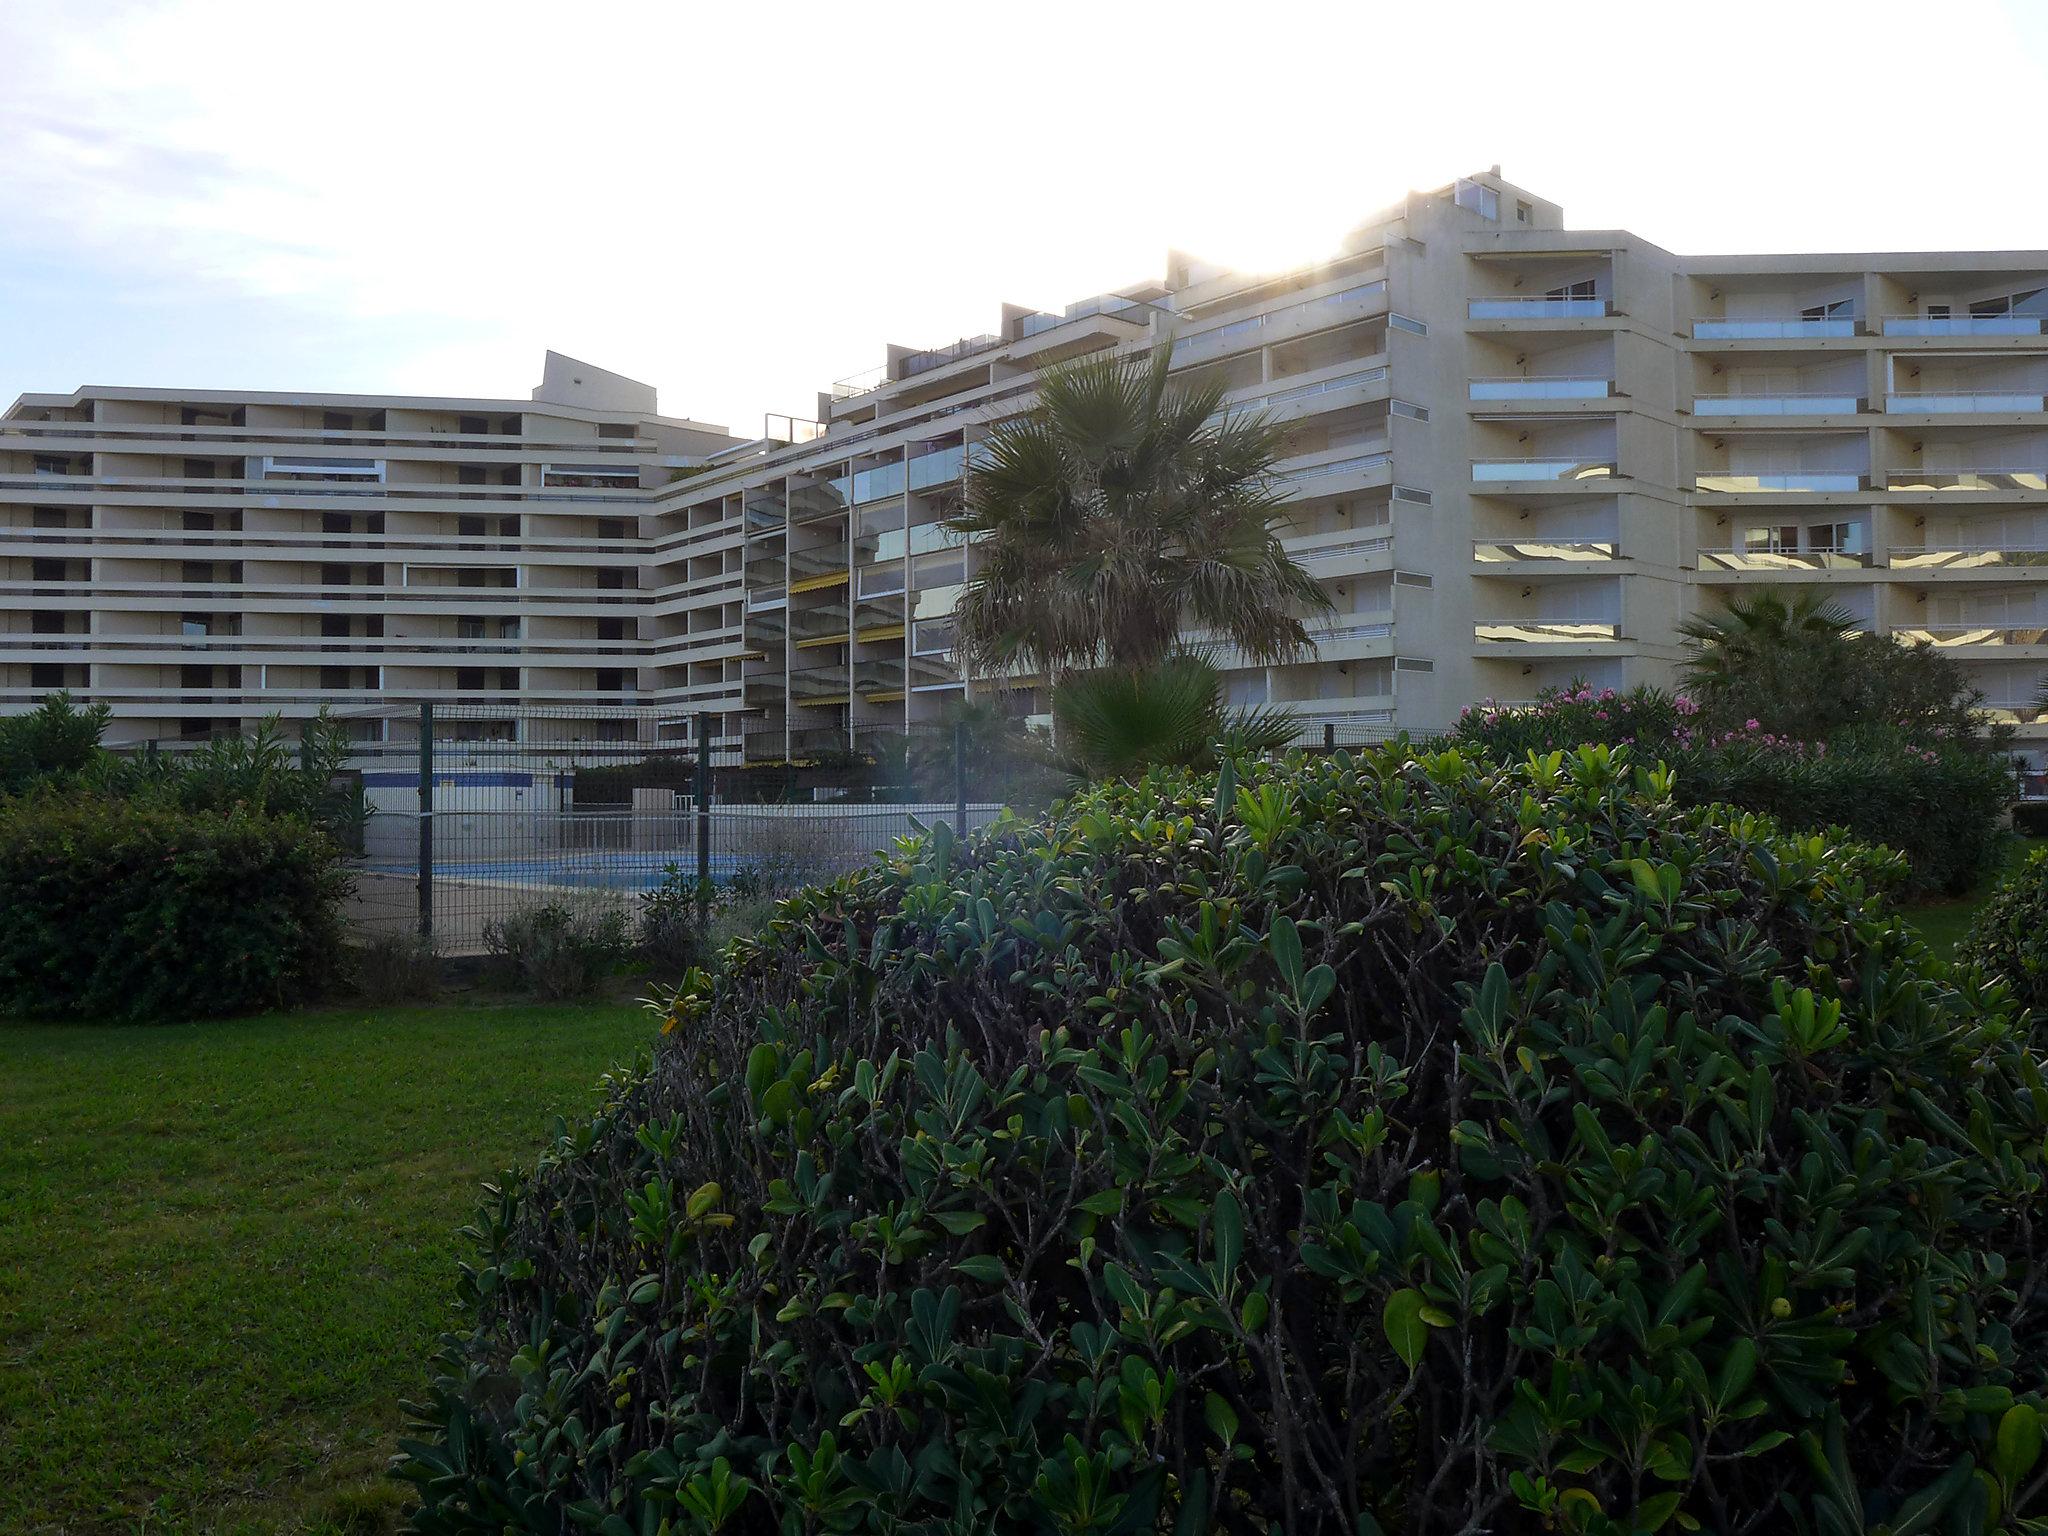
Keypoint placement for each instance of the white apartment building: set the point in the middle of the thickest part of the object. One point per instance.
(1517, 454)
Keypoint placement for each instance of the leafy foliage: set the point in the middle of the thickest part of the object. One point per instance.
(135, 909)
(1391, 1143)
(1795, 665)
(2008, 936)
(1116, 724)
(1941, 804)
(557, 952)
(1120, 512)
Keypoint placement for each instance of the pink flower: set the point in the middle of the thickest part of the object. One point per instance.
(1749, 725)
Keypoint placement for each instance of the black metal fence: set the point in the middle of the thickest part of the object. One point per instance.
(477, 813)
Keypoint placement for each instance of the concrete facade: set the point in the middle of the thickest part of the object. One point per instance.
(1517, 454)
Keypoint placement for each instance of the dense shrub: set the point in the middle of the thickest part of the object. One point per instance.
(2008, 936)
(1377, 1144)
(557, 952)
(393, 968)
(676, 931)
(126, 909)
(1941, 804)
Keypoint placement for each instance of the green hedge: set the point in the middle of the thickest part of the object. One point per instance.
(1941, 803)
(1391, 1143)
(2008, 935)
(132, 909)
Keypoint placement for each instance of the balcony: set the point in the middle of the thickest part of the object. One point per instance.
(1496, 470)
(1358, 464)
(1951, 636)
(1486, 552)
(1794, 481)
(1802, 403)
(1786, 328)
(1546, 387)
(1783, 560)
(1944, 402)
(1548, 632)
(2031, 480)
(1968, 557)
(1962, 325)
(1538, 309)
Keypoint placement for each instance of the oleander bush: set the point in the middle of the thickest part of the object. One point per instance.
(1393, 1143)
(2008, 936)
(135, 909)
(1940, 800)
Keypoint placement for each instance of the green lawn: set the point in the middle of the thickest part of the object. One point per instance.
(226, 1250)
(1942, 923)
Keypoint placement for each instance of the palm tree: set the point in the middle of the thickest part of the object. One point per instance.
(1119, 512)
(1757, 633)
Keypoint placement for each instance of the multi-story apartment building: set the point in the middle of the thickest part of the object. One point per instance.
(1516, 454)
(200, 559)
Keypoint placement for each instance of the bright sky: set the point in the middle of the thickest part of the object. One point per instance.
(742, 202)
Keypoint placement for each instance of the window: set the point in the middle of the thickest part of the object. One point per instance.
(50, 517)
(469, 578)
(1781, 540)
(611, 629)
(2026, 302)
(611, 680)
(1481, 200)
(197, 522)
(199, 469)
(940, 568)
(45, 674)
(1834, 309)
(336, 522)
(472, 424)
(611, 578)
(1584, 288)
(1522, 212)
(470, 679)
(932, 637)
(469, 629)
(508, 679)
(469, 527)
(333, 678)
(1937, 311)
(46, 570)
(1405, 408)
(508, 527)
(1403, 323)
(333, 626)
(469, 474)
(1835, 538)
(41, 623)
(333, 575)
(195, 677)
(337, 421)
(611, 528)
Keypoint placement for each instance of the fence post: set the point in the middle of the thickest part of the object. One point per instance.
(427, 822)
(960, 778)
(1329, 735)
(703, 816)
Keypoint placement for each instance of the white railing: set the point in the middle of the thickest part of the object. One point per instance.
(1789, 403)
(1510, 308)
(1956, 401)
(1737, 483)
(1977, 478)
(1542, 469)
(1962, 325)
(1786, 328)
(1540, 387)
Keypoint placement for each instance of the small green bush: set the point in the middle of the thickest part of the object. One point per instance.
(395, 968)
(1940, 802)
(123, 909)
(556, 952)
(1405, 1144)
(2008, 936)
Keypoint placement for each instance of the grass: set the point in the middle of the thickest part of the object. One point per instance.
(226, 1250)
(1943, 922)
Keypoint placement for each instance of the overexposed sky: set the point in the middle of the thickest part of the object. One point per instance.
(741, 203)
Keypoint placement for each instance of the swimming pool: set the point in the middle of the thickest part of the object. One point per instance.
(577, 871)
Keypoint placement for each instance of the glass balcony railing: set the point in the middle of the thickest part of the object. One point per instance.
(1547, 631)
(1962, 325)
(1359, 464)
(1542, 469)
(1788, 328)
(1801, 404)
(1133, 310)
(1489, 553)
(1808, 480)
(1361, 298)
(1551, 387)
(1966, 480)
(1966, 557)
(1953, 401)
(1947, 636)
(1782, 560)
(1538, 309)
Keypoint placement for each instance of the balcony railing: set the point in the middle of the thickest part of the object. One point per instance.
(1538, 309)
(1947, 636)
(1786, 328)
(1542, 469)
(1962, 325)
(1487, 552)
(1548, 631)
(1954, 401)
(1782, 560)
(1800, 403)
(1541, 387)
(1351, 466)
(1795, 480)
(1968, 557)
(1966, 479)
